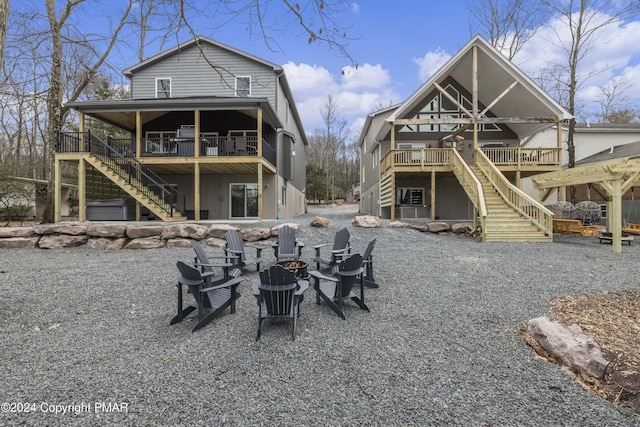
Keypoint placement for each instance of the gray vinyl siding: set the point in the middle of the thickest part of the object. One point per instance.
(192, 75)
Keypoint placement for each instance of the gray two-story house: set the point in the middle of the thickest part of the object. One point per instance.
(212, 133)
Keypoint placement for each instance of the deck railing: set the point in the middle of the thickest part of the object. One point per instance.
(210, 146)
(523, 156)
(472, 186)
(128, 168)
(516, 198)
(422, 158)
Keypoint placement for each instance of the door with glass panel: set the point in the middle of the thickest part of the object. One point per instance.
(244, 200)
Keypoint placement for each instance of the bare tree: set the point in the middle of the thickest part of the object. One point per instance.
(614, 103)
(509, 24)
(4, 17)
(585, 20)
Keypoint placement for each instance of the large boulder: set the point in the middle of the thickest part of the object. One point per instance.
(19, 242)
(179, 243)
(110, 231)
(276, 230)
(367, 221)
(575, 349)
(219, 230)
(185, 230)
(255, 234)
(105, 243)
(61, 241)
(462, 228)
(216, 242)
(16, 232)
(73, 229)
(137, 231)
(321, 222)
(146, 243)
(438, 227)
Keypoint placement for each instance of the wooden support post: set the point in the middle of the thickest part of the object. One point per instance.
(196, 136)
(616, 215)
(196, 190)
(82, 190)
(259, 127)
(57, 192)
(260, 191)
(138, 134)
(433, 196)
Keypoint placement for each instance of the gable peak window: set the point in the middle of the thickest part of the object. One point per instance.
(163, 87)
(243, 86)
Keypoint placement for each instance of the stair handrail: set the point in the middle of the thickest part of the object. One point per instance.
(471, 185)
(126, 166)
(524, 204)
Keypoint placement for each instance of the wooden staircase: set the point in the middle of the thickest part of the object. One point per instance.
(503, 223)
(132, 186)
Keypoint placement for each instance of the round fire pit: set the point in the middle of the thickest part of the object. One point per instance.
(297, 267)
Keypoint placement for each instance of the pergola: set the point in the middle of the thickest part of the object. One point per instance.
(611, 179)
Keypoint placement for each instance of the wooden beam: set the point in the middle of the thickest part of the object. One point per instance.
(452, 99)
(57, 190)
(615, 216)
(502, 95)
(482, 120)
(592, 173)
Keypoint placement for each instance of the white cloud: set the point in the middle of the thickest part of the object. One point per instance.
(430, 63)
(356, 90)
(355, 8)
(364, 77)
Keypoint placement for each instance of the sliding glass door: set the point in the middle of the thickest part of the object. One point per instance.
(244, 200)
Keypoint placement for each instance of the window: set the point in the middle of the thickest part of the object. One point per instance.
(243, 86)
(283, 197)
(163, 87)
(410, 196)
(441, 107)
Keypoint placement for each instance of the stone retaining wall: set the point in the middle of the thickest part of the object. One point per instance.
(128, 236)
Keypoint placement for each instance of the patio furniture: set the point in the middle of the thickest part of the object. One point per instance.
(339, 248)
(287, 247)
(279, 295)
(210, 301)
(206, 263)
(367, 261)
(338, 288)
(236, 246)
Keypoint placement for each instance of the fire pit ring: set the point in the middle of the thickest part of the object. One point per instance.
(297, 267)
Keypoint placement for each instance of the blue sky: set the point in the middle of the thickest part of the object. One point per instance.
(397, 45)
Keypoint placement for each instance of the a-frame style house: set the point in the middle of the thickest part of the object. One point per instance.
(212, 133)
(452, 150)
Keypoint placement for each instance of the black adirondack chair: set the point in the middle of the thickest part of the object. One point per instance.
(287, 248)
(236, 246)
(279, 296)
(209, 264)
(210, 301)
(338, 288)
(367, 261)
(339, 249)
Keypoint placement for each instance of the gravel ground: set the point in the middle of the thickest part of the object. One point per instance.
(86, 331)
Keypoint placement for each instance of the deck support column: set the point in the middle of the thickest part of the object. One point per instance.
(57, 192)
(82, 190)
(196, 189)
(433, 196)
(260, 191)
(393, 172)
(138, 155)
(196, 136)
